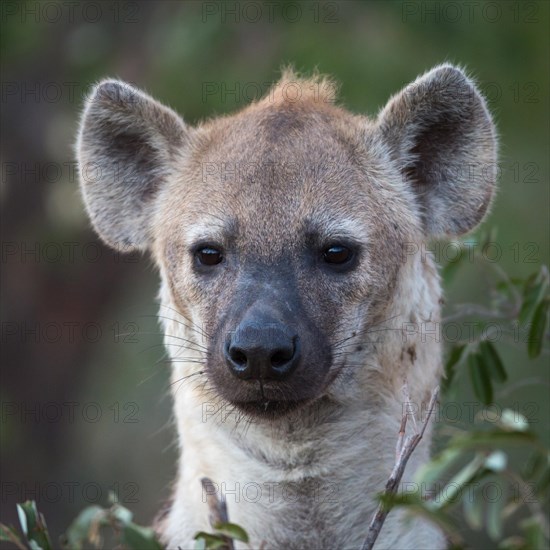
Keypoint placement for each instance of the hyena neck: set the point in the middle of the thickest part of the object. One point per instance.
(277, 478)
(314, 451)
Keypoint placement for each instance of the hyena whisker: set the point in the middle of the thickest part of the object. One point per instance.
(193, 360)
(189, 379)
(359, 344)
(359, 365)
(196, 345)
(363, 343)
(174, 336)
(151, 333)
(183, 378)
(371, 325)
(191, 327)
(166, 359)
(152, 375)
(192, 323)
(364, 332)
(168, 344)
(207, 391)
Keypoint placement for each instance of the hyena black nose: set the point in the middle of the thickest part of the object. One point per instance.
(259, 351)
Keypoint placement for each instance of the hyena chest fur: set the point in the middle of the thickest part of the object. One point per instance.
(311, 485)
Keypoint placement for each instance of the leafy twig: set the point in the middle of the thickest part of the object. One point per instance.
(406, 446)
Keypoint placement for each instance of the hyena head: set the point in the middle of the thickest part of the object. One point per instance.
(280, 231)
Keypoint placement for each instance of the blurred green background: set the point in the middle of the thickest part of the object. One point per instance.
(84, 387)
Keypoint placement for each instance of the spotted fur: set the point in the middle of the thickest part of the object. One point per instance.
(271, 185)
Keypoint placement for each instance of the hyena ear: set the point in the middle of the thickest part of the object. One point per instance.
(126, 148)
(441, 135)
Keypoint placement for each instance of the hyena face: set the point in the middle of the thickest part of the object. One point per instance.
(279, 250)
(280, 231)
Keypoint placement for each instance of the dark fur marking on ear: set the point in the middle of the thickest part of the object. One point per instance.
(441, 136)
(131, 141)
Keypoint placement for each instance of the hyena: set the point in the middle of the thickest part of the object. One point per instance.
(286, 237)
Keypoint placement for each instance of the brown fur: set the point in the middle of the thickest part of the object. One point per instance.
(272, 187)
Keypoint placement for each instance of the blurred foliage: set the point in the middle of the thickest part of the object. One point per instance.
(86, 531)
(219, 539)
(516, 305)
(486, 491)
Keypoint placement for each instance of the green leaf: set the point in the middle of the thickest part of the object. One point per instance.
(84, 526)
(121, 514)
(494, 517)
(535, 289)
(434, 470)
(543, 482)
(23, 519)
(510, 288)
(488, 440)
(455, 357)
(534, 465)
(472, 506)
(479, 376)
(413, 503)
(400, 499)
(512, 543)
(34, 526)
(491, 358)
(232, 530)
(538, 329)
(136, 537)
(209, 540)
(458, 482)
(8, 533)
(534, 533)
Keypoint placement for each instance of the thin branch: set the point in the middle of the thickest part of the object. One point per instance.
(408, 406)
(217, 508)
(467, 310)
(406, 446)
(12, 537)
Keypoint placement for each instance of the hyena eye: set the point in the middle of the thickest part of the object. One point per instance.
(337, 254)
(208, 255)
